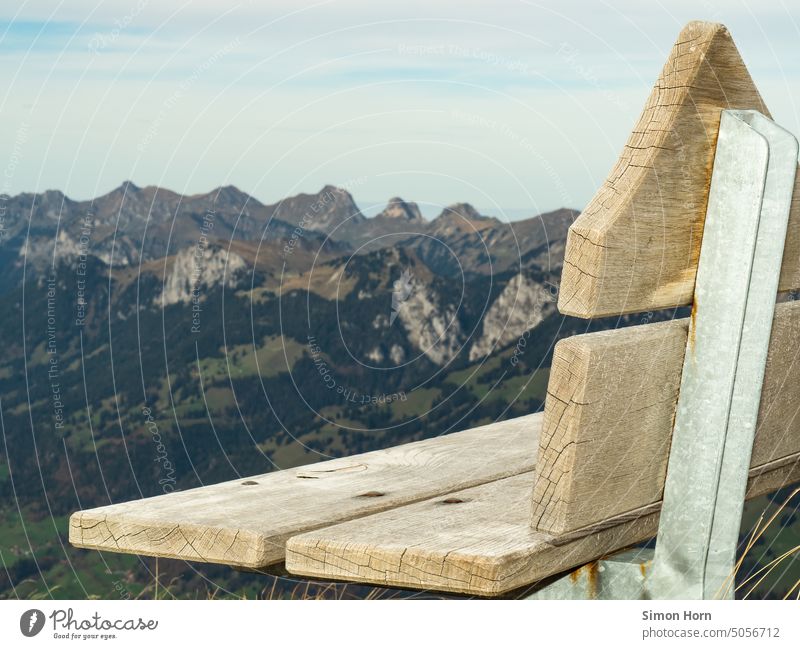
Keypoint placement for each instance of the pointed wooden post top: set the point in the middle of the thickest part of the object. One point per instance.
(636, 245)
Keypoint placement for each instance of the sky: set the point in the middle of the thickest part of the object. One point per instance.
(515, 106)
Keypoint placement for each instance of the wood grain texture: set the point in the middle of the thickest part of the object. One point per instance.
(609, 414)
(246, 522)
(636, 245)
(478, 541)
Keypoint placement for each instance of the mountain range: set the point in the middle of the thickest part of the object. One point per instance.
(132, 224)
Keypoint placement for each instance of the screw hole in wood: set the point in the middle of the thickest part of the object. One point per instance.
(371, 494)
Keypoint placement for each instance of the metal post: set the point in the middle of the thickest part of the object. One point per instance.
(735, 293)
(723, 370)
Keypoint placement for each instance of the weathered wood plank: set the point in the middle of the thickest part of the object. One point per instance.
(610, 409)
(477, 541)
(246, 522)
(636, 245)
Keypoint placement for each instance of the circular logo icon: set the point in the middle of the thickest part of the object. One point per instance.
(31, 622)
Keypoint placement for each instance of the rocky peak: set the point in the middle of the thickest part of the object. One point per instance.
(128, 188)
(324, 211)
(462, 218)
(460, 211)
(338, 198)
(230, 196)
(50, 202)
(397, 208)
(126, 194)
(52, 196)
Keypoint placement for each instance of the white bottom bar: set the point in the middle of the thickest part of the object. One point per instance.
(404, 624)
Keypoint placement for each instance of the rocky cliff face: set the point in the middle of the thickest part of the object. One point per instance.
(522, 305)
(431, 325)
(196, 269)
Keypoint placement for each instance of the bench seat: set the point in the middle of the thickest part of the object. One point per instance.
(245, 523)
(478, 541)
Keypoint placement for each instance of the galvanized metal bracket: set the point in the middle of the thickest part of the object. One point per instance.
(712, 441)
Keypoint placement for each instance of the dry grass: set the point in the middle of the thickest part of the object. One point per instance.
(748, 584)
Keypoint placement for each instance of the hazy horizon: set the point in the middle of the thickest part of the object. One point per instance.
(513, 106)
(368, 207)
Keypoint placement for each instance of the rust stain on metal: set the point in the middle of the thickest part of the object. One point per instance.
(592, 579)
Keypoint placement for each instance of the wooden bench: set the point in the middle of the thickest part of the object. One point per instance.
(489, 510)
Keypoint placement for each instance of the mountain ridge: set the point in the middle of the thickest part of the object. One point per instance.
(130, 225)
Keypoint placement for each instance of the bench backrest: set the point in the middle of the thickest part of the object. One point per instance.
(612, 395)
